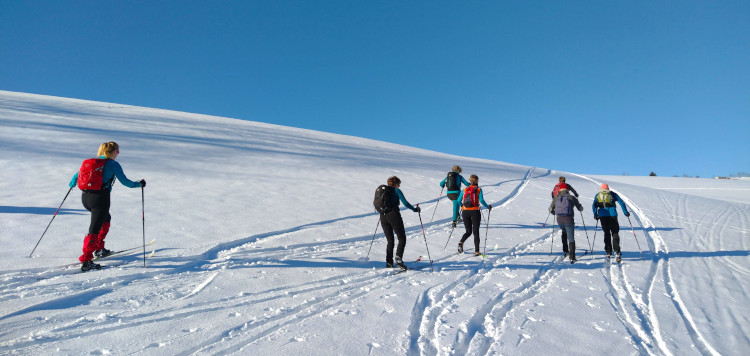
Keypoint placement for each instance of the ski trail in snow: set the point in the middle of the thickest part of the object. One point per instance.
(489, 322)
(640, 315)
(201, 286)
(669, 283)
(477, 334)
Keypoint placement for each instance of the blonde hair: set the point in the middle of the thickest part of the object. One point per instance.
(474, 179)
(394, 181)
(108, 149)
(457, 169)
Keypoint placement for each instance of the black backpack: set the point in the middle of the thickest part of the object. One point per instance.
(451, 183)
(385, 199)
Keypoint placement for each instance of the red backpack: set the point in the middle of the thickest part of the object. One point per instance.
(471, 197)
(90, 176)
(558, 187)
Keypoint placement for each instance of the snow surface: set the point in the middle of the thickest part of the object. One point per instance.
(262, 240)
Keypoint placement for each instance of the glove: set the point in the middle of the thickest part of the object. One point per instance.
(596, 217)
(489, 207)
(417, 209)
(627, 214)
(143, 183)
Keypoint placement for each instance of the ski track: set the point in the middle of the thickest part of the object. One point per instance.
(484, 327)
(481, 331)
(637, 314)
(355, 291)
(221, 256)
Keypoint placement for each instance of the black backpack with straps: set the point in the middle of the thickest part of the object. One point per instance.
(451, 183)
(386, 199)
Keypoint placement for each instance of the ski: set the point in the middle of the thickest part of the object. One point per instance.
(118, 264)
(115, 253)
(119, 252)
(399, 271)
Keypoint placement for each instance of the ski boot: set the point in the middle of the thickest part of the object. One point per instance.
(89, 265)
(572, 249)
(102, 253)
(460, 247)
(401, 264)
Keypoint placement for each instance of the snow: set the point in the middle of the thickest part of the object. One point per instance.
(262, 238)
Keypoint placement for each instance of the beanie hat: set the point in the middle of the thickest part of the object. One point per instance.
(605, 186)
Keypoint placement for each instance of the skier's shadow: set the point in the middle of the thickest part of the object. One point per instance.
(39, 210)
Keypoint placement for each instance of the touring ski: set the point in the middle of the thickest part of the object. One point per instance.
(119, 252)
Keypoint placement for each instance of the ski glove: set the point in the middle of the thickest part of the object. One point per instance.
(627, 214)
(596, 217)
(143, 183)
(417, 209)
(489, 207)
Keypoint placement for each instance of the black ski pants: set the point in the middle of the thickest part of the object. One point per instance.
(98, 204)
(392, 222)
(611, 228)
(472, 218)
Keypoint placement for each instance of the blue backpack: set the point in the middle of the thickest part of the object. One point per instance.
(563, 206)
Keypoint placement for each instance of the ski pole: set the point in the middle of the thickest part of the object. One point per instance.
(143, 219)
(373, 237)
(552, 239)
(594, 242)
(487, 232)
(50, 222)
(587, 232)
(453, 228)
(436, 204)
(636, 239)
(449, 238)
(424, 235)
(545, 220)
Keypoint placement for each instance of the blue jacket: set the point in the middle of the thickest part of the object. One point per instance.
(609, 211)
(460, 180)
(481, 197)
(403, 200)
(111, 169)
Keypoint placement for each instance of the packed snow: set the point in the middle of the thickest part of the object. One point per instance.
(264, 245)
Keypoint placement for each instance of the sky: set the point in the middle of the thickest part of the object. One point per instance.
(589, 87)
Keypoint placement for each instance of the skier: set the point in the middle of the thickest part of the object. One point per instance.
(470, 198)
(453, 182)
(98, 201)
(563, 185)
(391, 221)
(562, 207)
(606, 212)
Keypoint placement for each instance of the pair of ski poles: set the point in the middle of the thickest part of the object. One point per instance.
(588, 242)
(143, 214)
(423, 234)
(597, 226)
(487, 232)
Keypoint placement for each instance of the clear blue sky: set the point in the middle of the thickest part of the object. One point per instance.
(594, 87)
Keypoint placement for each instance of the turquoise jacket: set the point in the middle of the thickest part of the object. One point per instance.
(403, 200)
(460, 179)
(111, 169)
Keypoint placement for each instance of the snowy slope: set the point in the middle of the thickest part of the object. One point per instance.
(262, 237)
